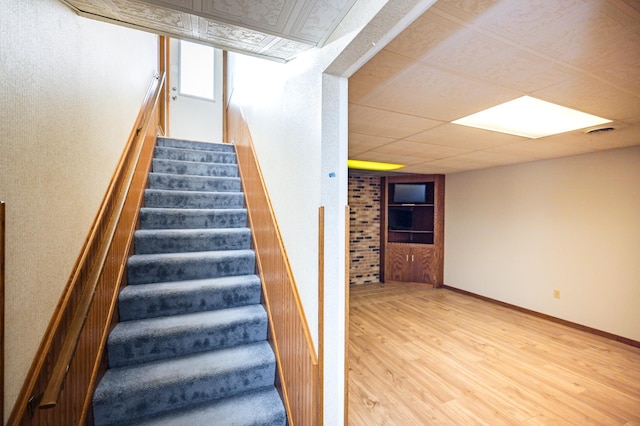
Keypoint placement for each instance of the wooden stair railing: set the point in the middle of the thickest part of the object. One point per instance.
(69, 361)
(298, 369)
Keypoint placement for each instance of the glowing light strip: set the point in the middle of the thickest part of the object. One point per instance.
(373, 165)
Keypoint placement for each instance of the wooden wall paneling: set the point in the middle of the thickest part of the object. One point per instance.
(111, 233)
(297, 360)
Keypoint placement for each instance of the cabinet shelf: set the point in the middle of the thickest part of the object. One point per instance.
(410, 205)
(410, 232)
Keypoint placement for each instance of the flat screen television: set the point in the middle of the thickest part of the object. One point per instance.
(410, 193)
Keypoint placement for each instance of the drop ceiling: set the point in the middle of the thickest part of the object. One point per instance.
(273, 29)
(462, 56)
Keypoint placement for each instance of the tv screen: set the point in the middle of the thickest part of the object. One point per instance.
(410, 193)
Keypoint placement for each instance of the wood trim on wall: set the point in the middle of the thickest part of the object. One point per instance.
(574, 325)
(225, 103)
(120, 204)
(164, 59)
(347, 295)
(290, 335)
(2, 255)
(321, 315)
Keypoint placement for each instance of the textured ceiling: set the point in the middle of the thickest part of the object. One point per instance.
(273, 29)
(462, 56)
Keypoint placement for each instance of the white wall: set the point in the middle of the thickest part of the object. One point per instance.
(297, 114)
(299, 143)
(517, 233)
(193, 118)
(71, 91)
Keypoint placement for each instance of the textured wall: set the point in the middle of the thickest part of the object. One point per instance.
(364, 224)
(517, 233)
(71, 89)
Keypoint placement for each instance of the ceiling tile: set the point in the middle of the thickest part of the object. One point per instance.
(264, 15)
(470, 161)
(537, 149)
(468, 10)
(463, 137)
(519, 20)
(593, 96)
(430, 168)
(376, 122)
(378, 71)
(580, 37)
(272, 29)
(419, 149)
(485, 58)
(423, 35)
(359, 143)
(436, 94)
(390, 158)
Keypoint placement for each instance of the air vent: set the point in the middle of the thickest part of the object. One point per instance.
(599, 130)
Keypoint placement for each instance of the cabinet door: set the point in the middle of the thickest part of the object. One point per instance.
(422, 265)
(397, 263)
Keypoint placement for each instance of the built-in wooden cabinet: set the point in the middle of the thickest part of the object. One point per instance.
(412, 229)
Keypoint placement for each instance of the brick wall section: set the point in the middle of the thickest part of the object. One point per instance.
(364, 222)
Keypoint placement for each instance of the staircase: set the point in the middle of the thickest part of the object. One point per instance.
(190, 347)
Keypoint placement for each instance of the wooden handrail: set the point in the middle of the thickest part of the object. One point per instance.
(58, 374)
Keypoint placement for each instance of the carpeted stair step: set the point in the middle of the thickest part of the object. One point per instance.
(183, 297)
(190, 346)
(133, 342)
(165, 153)
(194, 168)
(263, 407)
(150, 241)
(194, 183)
(155, 268)
(203, 146)
(193, 199)
(168, 218)
(143, 390)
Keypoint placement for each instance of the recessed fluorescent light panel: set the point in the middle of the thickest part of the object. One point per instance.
(373, 165)
(531, 118)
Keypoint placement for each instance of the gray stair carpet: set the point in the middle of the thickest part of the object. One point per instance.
(191, 346)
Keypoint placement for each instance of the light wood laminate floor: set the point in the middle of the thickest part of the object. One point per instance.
(421, 356)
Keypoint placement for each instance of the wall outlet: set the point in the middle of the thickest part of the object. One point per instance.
(556, 294)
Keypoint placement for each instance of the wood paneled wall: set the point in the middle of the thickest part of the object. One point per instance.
(297, 359)
(110, 239)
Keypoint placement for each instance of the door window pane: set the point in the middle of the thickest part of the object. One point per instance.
(196, 70)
